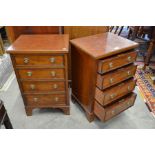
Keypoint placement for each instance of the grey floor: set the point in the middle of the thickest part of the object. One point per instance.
(136, 117)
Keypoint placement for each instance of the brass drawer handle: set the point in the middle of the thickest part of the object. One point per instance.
(129, 58)
(110, 64)
(56, 99)
(35, 99)
(122, 100)
(129, 73)
(52, 60)
(111, 80)
(32, 86)
(53, 73)
(129, 88)
(29, 73)
(128, 103)
(26, 60)
(112, 96)
(121, 84)
(113, 112)
(55, 86)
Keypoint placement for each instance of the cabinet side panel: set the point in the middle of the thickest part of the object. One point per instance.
(84, 70)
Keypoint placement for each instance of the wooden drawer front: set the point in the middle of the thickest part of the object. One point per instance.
(45, 100)
(110, 79)
(41, 73)
(110, 111)
(39, 86)
(111, 94)
(39, 60)
(116, 62)
(120, 106)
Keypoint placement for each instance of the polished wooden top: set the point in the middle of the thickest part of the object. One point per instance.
(56, 43)
(103, 45)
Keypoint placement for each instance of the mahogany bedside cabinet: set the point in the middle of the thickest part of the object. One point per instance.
(102, 74)
(4, 118)
(41, 67)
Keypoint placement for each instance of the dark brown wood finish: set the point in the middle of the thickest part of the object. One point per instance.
(106, 80)
(34, 100)
(106, 113)
(116, 62)
(83, 79)
(40, 44)
(90, 55)
(15, 31)
(36, 73)
(41, 66)
(81, 31)
(74, 32)
(43, 60)
(103, 45)
(42, 87)
(113, 93)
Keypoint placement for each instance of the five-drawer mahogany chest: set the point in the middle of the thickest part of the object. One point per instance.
(102, 74)
(41, 66)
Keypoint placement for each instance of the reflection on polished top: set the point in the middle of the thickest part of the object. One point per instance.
(103, 45)
(40, 43)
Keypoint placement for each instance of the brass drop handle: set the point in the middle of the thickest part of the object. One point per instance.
(122, 100)
(35, 99)
(129, 58)
(128, 72)
(128, 103)
(29, 73)
(53, 73)
(26, 60)
(129, 88)
(113, 112)
(112, 96)
(110, 64)
(56, 99)
(120, 85)
(111, 80)
(32, 86)
(52, 60)
(55, 86)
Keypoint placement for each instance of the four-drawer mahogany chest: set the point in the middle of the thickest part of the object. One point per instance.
(102, 74)
(41, 66)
